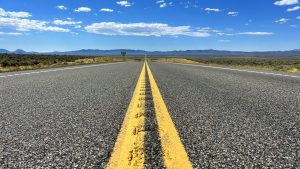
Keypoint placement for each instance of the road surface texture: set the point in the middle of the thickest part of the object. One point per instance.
(66, 118)
(71, 117)
(231, 119)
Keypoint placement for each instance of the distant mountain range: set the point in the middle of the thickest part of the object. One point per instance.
(190, 53)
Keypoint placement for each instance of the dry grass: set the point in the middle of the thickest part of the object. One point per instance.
(100, 60)
(32, 67)
(55, 64)
(271, 64)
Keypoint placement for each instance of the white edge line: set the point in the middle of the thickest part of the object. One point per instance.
(58, 69)
(240, 70)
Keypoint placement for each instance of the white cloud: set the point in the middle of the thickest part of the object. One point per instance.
(298, 17)
(209, 29)
(144, 29)
(293, 9)
(286, 2)
(188, 4)
(19, 21)
(19, 14)
(61, 7)
(162, 3)
(293, 26)
(212, 10)
(83, 9)
(124, 3)
(245, 33)
(256, 33)
(224, 41)
(224, 34)
(22, 24)
(14, 14)
(77, 26)
(282, 21)
(68, 22)
(11, 33)
(106, 10)
(206, 28)
(2, 12)
(233, 13)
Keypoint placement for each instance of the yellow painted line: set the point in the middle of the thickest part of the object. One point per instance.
(174, 154)
(129, 148)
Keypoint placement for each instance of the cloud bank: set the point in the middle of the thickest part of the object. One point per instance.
(20, 22)
(144, 29)
(14, 14)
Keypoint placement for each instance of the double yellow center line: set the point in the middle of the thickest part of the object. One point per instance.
(129, 148)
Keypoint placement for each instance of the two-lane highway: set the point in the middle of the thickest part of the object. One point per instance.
(66, 118)
(155, 115)
(233, 119)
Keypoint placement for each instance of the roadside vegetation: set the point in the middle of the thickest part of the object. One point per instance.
(273, 64)
(16, 62)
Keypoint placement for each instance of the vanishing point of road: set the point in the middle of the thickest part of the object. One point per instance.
(149, 115)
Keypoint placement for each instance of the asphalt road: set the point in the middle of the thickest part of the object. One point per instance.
(233, 119)
(71, 117)
(63, 118)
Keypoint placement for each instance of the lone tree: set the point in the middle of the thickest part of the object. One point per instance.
(123, 53)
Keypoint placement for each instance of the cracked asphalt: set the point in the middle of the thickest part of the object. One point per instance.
(230, 119)
(64, 119)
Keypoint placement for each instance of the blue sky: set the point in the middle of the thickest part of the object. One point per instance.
(62, 25)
